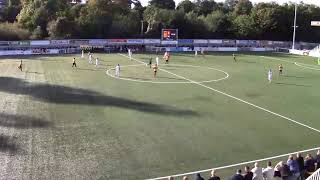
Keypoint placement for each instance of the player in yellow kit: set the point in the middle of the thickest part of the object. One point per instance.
(155, 70)
(280, 69)
(20, 65)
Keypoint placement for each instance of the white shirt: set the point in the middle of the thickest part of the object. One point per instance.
(157, 60)
(268, 173)
(257, 173)
(117, 68)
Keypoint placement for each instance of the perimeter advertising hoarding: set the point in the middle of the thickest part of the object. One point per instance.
(135, 41)
(254, 43)
(242, 42)
(39, 43)
(79, 42)
(117, 41)
(60, 42)
(185, 41)
(215, 41)
(19, 43)
(4, 43)
(169, 42)
(229, 42)
(200, 41)
(152, 41)
(98, 42)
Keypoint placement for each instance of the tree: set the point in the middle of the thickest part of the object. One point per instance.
(163, 4)
(245, 27)
(243, 7)
(230, 4)
(266, 20)
(186, 6)
(205, 7)
(10, 12)
(61, 28)
(125, 26)
(37, 33)
(217, 23)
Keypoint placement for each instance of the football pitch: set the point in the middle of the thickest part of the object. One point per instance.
(59, 122)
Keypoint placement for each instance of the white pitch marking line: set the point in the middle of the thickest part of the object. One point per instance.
(306, 67)
(168, 82)
(238, 164)
(241, 100)
(296, 63)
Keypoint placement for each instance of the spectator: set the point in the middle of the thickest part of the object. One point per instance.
(237, 176)
(277, 171)
(268, 172)
(257, 172)
(198, 177)
(185, 178)
(300, 161)
(248, 174)
(170, 178)
(318, 159)
(309, 165)
(294, 167)
(214, 176)
(285, 172)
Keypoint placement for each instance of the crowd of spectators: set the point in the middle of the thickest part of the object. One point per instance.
(295, 168)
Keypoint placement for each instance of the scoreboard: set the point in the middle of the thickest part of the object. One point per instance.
(169, 35)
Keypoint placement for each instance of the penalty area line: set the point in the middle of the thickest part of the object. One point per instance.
(237, 164)
(238, 99)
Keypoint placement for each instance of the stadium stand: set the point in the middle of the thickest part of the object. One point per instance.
(295, 168)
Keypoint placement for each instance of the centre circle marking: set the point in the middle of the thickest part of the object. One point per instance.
(169, 82)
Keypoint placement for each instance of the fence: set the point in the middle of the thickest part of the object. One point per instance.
(315, 176)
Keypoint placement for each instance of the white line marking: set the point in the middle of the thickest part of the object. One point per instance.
(238, 99)
(234, 165)
(296, 63)
(306, 67)
(168, 82)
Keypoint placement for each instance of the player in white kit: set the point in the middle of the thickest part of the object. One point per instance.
(130, 54)
(157, 61)
(82, 54)
(118, 70)
(97, 62)
(195, 53)
(90, 58)
(270, 75)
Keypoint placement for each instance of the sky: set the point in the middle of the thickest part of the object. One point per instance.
(316, 2)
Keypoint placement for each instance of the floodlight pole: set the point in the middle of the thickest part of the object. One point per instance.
(294, 26)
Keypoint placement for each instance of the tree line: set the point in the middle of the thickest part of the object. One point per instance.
(232, 19)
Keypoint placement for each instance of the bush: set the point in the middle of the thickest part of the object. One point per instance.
(11, 31)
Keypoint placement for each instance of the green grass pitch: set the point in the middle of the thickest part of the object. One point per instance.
(60, 122)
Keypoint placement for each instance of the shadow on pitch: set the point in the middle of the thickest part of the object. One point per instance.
(22, 121)
(8, 145)
(69, 95)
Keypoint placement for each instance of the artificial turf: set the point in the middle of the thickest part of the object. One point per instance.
(59, 122)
